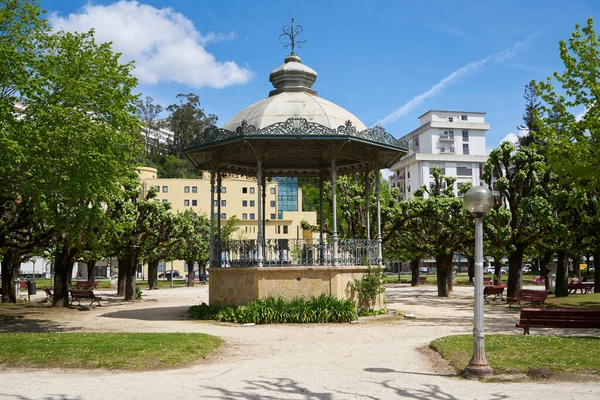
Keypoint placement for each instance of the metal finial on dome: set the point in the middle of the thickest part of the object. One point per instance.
(292, 32)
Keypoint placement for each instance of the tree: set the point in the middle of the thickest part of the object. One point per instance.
(187, 121)
(193, 242)
(573, 142)
(532, 107)
(69, 127)
(439, 220)
(147, 112)
(517, 175)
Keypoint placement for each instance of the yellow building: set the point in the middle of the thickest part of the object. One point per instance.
(283, 204)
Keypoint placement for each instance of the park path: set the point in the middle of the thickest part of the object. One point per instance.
(378, 359)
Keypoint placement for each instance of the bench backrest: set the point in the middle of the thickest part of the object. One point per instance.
(538, 279)
(81, 293)
(493, 289)
(560, 318)
(528, 294)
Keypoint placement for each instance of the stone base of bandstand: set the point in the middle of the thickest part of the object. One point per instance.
(240, 286)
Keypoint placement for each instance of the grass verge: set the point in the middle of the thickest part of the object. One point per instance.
(520, 353)
(124, 351)
(589, 300)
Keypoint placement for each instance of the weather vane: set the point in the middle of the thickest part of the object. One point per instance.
(292, 32)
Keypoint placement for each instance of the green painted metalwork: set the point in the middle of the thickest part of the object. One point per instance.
(297, 127)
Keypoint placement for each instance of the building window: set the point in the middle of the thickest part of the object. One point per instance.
(215, 203)
(244, 216)
(408, 188)
(186, 203)
(194, 189)
(272, 190)
(279, 229)
(223, 216)
(244, 203)
(251, 215)
(463, 118)
(450, 119)
(186, 189)
(223, 203)
(165, 201)
(408, 174)
(165, 189)
(158, 189)
(464, 170)
(223, 189)
(244, 190)
(272, 216)
(285, 229)
(252, 190)
(465, 148)
(272, 203)
(251, 203)
(194, 203)
(465, 136)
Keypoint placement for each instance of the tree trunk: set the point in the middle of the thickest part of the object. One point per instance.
(131, 268)
(515, 273)
(10, 269)
(91, 270)
(443, 263)
(152, 274)
(63, 273)
(121, 277)
(471, 268)
(191, 272)
(497, 272)
(562, 274)
(414, 270)
(596, 270)
(546, 259)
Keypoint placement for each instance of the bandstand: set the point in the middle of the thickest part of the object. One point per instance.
(291, 133)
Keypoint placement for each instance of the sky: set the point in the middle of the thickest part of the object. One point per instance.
(386, 61)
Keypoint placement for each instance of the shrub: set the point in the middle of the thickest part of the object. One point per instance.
(273, 310)
(368, 288)
(138, 294)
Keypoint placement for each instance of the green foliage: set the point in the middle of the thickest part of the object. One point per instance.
(371, 313)
(368, 288)
(322, 309)
(138, 293)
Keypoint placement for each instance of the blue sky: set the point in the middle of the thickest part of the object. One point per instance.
(385, 61)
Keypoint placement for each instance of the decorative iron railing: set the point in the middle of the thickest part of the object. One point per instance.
(298, 252)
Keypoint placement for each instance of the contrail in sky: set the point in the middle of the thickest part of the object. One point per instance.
(467, 69)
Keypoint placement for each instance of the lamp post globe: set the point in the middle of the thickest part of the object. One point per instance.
(478, 201)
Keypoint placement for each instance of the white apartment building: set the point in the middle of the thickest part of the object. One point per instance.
(451, 140)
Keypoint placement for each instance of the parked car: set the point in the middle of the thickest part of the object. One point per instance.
(167, 274)
(423, 270)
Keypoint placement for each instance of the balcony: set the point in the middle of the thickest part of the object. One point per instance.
(447, 138)
(447, 150)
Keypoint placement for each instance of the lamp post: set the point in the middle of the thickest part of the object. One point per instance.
(479, 201)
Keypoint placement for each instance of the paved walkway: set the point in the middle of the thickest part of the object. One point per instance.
(373, 360)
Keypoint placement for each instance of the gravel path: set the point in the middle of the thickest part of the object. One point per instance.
(377, 359)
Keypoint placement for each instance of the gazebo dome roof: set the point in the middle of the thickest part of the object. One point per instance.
(293, 97)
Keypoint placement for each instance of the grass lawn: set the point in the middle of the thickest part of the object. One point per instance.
(125, 351)
(519, 353)
(105, 283)
(590, 300)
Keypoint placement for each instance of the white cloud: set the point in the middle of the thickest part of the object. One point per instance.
(514, 137)
(463, 71)
(165, 44)
(579, 116)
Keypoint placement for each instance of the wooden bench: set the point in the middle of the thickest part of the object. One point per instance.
(77, 295)
(493, 291)
(422, 280)
(488, 281)
(558, 318)
(535, 297)
(537, 280)
(584, 287)
(86, 285)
